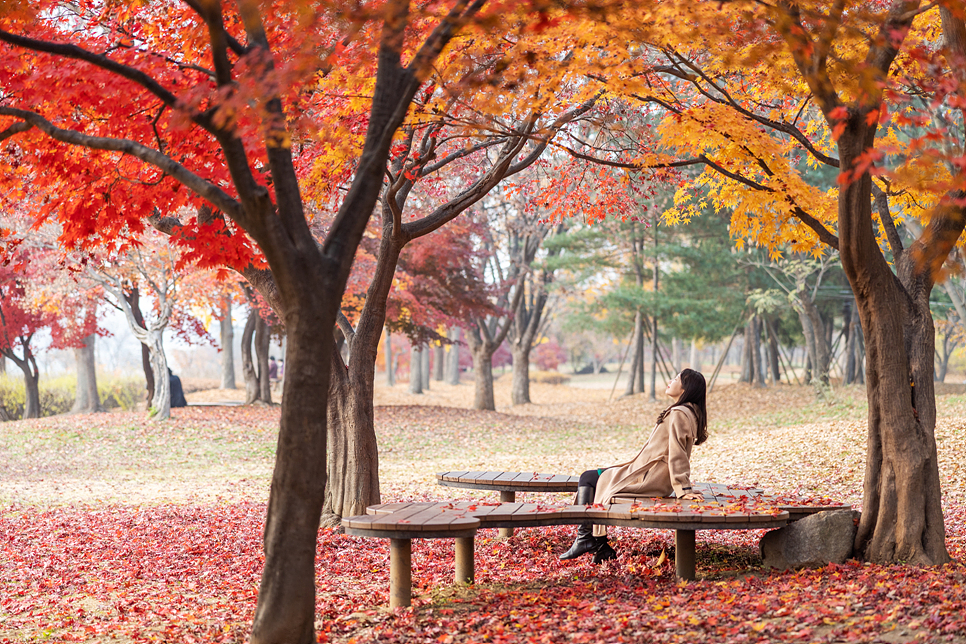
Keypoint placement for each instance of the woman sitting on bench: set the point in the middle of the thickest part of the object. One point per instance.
(661, 467)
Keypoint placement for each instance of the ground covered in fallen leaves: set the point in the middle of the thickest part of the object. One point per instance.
(115, 529)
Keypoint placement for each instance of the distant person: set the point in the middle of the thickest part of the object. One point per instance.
(177, 393)
(662, 466)
(272, 369)
(281, 370)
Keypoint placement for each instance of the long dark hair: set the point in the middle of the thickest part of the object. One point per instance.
(695, 396)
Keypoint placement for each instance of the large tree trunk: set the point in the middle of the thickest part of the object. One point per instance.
(415, 369)
(86, 398)
(263, 340)
(901, 512)
(352, 462)
(453, 356)
(227, 346)
(520, 387)
(161, 401)
(483, 399)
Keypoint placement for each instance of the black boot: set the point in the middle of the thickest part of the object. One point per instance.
(585, 542)
(604, 552)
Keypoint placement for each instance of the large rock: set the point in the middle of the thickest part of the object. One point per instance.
(812, 542)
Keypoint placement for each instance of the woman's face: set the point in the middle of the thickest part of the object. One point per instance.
(674, 387)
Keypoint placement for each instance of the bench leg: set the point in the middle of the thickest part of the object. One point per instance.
(400, 573)
(465, 566)
(506, 497)
(684, 554)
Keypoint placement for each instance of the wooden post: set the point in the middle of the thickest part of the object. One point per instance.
(506, 497)
(684, 554)
(465, 566)
(400, 573)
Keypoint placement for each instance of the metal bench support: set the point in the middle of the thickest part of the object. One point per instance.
(506, 497)
(465, 565)
(401, 572)
(684, 554)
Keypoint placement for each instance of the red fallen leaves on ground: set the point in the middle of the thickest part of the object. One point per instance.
(190, 573)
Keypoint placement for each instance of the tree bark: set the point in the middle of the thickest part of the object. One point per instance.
(901, 513)
(86, 398)
(353, 456)
(415, 369)
(227, 346)
(851, 366)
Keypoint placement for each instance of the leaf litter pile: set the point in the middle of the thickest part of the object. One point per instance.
(114, 529)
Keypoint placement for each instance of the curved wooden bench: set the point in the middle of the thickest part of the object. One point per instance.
(509, 483)
(402, 522)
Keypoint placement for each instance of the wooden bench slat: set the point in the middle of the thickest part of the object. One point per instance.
(393, 519)
(386, 508)
(452, 476)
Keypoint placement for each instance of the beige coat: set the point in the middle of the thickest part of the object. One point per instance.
(662, 466)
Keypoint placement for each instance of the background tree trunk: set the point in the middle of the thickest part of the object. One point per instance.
(757, 366)
(635, 375)
(453, 356)
(86, 398)
(263, 340)
(134, 301)
(483, 399)
(390, 367)
(227, 346)
(520, 387)
(415, 370)
(252, 390)
(747, 359)
(424, 368)
(654, 358)
(773, 350)
(439, 362)
(694, 360)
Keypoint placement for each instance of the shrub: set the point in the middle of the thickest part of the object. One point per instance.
(549, 377)
(125, 392)
(549, 355)
(57, 394)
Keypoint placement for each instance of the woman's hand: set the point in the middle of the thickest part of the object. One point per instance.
(693, 496)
